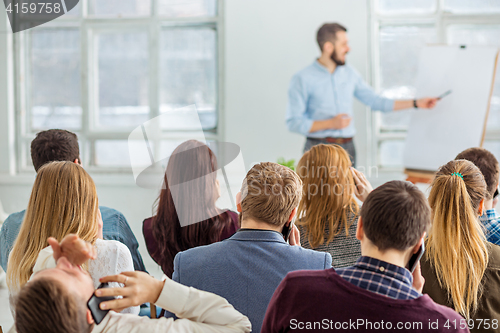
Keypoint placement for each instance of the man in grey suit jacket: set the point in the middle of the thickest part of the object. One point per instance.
(246, 268)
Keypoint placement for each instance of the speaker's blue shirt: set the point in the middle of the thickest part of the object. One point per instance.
(316, 94)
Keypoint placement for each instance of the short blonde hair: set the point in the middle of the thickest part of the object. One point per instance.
(270, 192)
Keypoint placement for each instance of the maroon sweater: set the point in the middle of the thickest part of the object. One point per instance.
(320, 301)
(152, 245)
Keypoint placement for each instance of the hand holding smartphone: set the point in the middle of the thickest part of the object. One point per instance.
(415, 258)
(93, 305)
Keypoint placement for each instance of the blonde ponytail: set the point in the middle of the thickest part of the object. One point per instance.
(456, 245)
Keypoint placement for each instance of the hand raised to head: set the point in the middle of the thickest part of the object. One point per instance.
(76, 250)
(294, 238)
(362, 186)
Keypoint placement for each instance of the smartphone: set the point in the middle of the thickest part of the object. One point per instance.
(286, 231)
(495, 194)
(415, 258)
(93, 305)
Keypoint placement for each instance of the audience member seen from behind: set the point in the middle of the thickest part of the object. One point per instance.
(64, 201)
(186, 214)
(488, 164)
(55, 300)
(60, 145)
(328, 210)
(462, 269)
(376, 294)
(247, 267)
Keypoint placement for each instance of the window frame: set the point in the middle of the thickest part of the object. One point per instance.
(441, 20)
(88, 27)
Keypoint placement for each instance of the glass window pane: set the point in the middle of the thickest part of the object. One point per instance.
(481, 35)
(397, 77)
(189, 8)
(54, 78)
(472, 6)
(120, 7)
(391, 153)
(123, 79)
(406, 6)
(188, 65)
(113, 153)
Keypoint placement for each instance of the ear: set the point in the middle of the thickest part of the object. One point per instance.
(480, 210)
(328, 48)
(238, 202)
(359, 229)
(90, 320)
(292, 214)
(417, 246)
(77, 161)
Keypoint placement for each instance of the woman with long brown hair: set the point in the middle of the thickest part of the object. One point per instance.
(64, 201)
(186, 215)
(328, 211)
(461, 269)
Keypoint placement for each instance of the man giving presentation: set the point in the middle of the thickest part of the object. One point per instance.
(320, 97)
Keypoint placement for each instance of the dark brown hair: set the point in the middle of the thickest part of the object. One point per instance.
(328, 33)
(395, 215)
(487, 163)
(270, 192)
(190, 161)
(54, 145)
(45, 306)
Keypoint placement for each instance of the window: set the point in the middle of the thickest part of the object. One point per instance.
(108, 66)
(401, 28)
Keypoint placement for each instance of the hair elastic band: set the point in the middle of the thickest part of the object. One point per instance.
(457, 174)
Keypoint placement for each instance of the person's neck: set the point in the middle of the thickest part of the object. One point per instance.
(327, 62)
(488, 204)
(249, 223)
(391, 256)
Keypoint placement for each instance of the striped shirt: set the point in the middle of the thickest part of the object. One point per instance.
(490, 221)
(381, 278)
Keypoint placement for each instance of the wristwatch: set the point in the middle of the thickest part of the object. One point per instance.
(415, 104)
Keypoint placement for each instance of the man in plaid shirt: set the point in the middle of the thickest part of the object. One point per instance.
(488, 164)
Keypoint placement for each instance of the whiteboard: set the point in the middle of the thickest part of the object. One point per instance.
(457, 122)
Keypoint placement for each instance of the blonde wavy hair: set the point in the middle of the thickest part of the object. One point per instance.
(63, 201)
(456, 246)
(326, 166)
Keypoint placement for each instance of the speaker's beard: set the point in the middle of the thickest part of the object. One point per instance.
(336, 60)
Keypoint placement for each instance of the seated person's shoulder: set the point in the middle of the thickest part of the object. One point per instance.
(206, 250)
(111, 247)
(309, 275)
(305, 282)
(14, 218)
(108, 213)
(494, 256)
(300, 251)
(438, 309)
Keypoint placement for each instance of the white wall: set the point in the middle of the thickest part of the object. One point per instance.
(266, 42)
